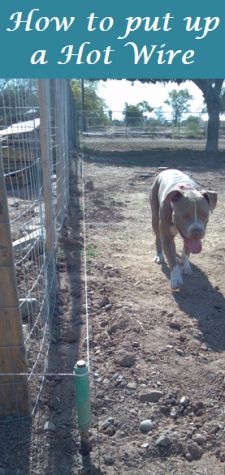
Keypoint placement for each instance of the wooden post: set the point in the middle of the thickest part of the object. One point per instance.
(46, 159)
(60, 170)
(14, 392)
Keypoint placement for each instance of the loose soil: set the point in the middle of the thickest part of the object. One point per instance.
(154, 355)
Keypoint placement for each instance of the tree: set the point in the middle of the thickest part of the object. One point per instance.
(134, 115)
(213, 96)
(95, 108)
(179, 102)
(212, 93)
(160, 115)
(18, 100)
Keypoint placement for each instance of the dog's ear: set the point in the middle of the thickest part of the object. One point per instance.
(173, 196)
(211, 197)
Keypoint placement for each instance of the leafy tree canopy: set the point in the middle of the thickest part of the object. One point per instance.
(179, 102)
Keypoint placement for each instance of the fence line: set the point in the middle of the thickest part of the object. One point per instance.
(37, 131)
(115, 123)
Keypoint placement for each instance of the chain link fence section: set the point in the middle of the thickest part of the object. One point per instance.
(37, 132)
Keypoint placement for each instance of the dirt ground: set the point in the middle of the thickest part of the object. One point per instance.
(155, 355)
(157, 358)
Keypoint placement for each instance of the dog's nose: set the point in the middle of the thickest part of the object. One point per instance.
(196, 233)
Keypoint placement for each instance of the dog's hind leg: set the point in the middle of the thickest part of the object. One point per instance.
(159, 258)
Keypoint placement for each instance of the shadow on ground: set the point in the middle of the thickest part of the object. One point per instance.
(205, 303)
(198, 161)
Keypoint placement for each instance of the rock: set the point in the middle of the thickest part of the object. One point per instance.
(175, 325)
(184, 401)
(125, 359)
(132, 386)
(105, 301)
(108, 422)
(146, 426)
(89, 185)
(145, 445)
(194, 450)
(49, 426)
(108, 307)
(198, 408)
(188, 457)
(163, 441)
(110, 430)
(179, 352)
(150, 396)
(135, 344)
(199, 438)
(174, 412)
(204, 347)
(108, 460)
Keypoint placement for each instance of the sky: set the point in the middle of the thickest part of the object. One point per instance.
(117, 92)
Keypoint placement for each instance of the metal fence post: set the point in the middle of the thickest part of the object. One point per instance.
(14, 393)
(46, 161)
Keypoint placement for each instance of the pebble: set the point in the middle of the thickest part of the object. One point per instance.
(175, 325)
(89, 185)
(194, 451)
(135, 344)
(110, 430)
(146, 426)
(163, 441)
(199, 438)
(105, 301)
(184, 401)
(108, 307)
(198, 408)
(150, 396)
(109, 460)
(174, 412)
(49, 426)
(145, 445)
(204, 347)
(132, 386)
(125, 359)
(179, 352)
(109, 421)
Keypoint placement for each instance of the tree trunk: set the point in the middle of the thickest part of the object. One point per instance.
(211, 89)
(213, 107)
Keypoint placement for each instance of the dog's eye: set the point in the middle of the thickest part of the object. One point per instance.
(204, 215)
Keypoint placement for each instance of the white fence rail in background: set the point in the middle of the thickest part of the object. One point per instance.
(37, 132)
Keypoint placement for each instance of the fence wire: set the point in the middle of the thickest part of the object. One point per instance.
(35, 138)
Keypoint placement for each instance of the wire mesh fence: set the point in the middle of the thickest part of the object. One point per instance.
(155, 125)
(36, 136)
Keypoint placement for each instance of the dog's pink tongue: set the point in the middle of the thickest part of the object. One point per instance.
(193, 245)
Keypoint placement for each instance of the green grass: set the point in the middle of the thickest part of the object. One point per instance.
(93, 251)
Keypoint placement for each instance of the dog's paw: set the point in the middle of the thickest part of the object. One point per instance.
(176, 280)
(186, 267)
(159, 259)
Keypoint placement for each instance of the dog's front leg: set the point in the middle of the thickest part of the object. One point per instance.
(168, 244)
(185, 264)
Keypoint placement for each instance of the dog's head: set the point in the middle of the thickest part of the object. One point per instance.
(190, 211)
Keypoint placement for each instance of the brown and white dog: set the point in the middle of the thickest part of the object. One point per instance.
(179, 205)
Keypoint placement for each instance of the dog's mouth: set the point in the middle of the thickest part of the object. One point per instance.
(194, 246)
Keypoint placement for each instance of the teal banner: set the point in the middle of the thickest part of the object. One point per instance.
(95, 39)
